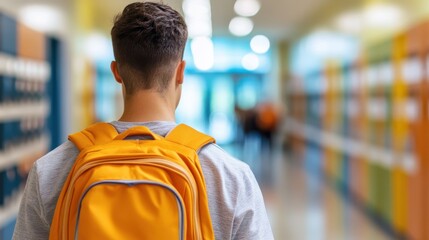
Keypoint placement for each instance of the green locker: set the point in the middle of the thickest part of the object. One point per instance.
(380, 172)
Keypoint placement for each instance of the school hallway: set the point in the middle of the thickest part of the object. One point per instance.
(343, 86)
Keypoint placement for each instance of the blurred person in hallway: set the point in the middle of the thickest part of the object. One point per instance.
(267, 122)
(148, 41)
(259, 127)
(262, 120)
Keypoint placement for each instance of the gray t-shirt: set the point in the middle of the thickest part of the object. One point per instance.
(235, 200)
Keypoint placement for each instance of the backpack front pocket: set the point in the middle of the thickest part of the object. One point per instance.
(115, 209)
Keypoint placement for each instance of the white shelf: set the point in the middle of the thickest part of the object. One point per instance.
(31, 149)
(352, 147)
(23, 110)
(10, 210)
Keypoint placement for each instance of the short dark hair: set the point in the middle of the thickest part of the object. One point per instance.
(148, 41)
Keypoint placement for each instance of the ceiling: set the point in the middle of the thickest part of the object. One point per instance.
(277, 19)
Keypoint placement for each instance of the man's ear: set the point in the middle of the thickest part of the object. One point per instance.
(114, 69)
(180, 72)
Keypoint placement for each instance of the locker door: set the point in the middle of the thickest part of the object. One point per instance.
(399, 133)
(413, 73)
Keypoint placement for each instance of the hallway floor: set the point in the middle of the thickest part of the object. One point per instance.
(302, 206)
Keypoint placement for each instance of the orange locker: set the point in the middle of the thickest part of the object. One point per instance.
(34, 49)
(414, 218)
(422, 129)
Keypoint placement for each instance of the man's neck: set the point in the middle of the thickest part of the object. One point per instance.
(148, 106)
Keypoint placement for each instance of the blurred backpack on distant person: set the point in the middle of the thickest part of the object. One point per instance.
(267, 121)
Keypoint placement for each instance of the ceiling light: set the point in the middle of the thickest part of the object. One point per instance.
(98, 47)
(350, 22)
(247, 8)
(196, 8)
(240, 26)
(260, 44)
(250, 61)
(198, 17)
(383, 16)
(43, 18)
(203, 53)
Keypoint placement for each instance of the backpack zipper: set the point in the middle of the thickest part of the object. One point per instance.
(145, 161)
(180, 205)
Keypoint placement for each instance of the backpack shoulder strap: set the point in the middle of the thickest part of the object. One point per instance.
(187, 136)
(97, 133)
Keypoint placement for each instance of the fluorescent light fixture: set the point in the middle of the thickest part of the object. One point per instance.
(98, 47)
(383, 16)
(203, 53)
(194, 8)
(260, 44)
(240, 26)
(250, 61)
(247, 8)
(376, 16)
(199, 28)
(350, 22)
(198, 17)
(41, 17)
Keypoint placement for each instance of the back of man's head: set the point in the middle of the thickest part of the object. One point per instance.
(148, 42)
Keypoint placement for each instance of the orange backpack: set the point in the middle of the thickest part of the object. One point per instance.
(134, 189)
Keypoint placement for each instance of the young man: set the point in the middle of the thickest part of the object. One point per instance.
(148, 42)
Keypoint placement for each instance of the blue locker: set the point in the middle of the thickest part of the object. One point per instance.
(8, 45)
(8, 35)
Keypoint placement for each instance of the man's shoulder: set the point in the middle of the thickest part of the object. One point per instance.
(213, 158)
(56, 164)
(65, 152)
(218, 156)
(51, 172)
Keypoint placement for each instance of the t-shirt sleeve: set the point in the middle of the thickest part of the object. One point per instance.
(31, 222)
(250, 218)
